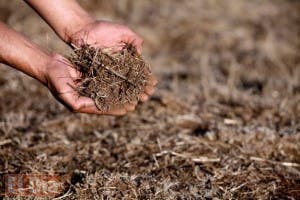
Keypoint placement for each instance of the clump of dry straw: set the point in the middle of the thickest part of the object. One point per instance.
(110, 78)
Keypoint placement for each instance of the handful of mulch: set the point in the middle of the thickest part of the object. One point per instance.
(110, 78)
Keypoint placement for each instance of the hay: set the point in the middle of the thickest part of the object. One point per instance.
(110, 78)
(229, 92)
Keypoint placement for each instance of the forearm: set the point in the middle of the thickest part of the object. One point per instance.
(66, 17)
(22, 54)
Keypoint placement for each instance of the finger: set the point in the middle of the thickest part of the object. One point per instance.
(72, 69)
(87, 105)
(118, 111)
(75, 74)
(144, 97)
(134, 102)
(78, 103)
(129, 107)
(149, 90)
(135, 40)
(92, 109)
(152, 80)
(138, 43)
(113, 49)
(89, 110)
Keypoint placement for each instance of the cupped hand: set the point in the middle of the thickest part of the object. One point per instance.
(61, 79)
(105, 34)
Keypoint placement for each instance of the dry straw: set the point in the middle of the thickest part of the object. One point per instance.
(108, 77)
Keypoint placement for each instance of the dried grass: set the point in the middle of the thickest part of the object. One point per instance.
(110, 78)
(228, 92)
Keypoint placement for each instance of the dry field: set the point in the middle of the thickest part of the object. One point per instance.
(223, 124)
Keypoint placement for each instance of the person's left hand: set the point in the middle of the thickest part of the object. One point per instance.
(60, 77)
(104, 34)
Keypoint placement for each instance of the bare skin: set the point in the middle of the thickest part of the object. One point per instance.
(53, 70)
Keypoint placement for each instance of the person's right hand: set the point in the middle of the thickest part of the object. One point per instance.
(104, 34)
(60, 78)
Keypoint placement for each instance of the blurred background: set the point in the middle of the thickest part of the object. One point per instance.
(229, 88)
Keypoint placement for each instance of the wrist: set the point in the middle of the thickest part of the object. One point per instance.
(79, 23)
(65, 16)
(40, 72)
(50, 62)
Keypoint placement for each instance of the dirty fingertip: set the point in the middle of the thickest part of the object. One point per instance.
(129, 107)
(152, 80)
(149, 90)
(144, 97)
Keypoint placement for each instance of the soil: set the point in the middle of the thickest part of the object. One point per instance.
(224, 122)
(110, 78)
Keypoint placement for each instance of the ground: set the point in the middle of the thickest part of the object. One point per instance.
(224, 122)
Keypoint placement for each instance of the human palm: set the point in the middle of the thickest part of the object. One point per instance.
(61, 79)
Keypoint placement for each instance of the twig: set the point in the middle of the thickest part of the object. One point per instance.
(68, 193)
(238, 187)
(74, 46)
(287, 164)
(115, 73)
(155, 160)
(107, 188)
(201, 159)
(4, 142)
